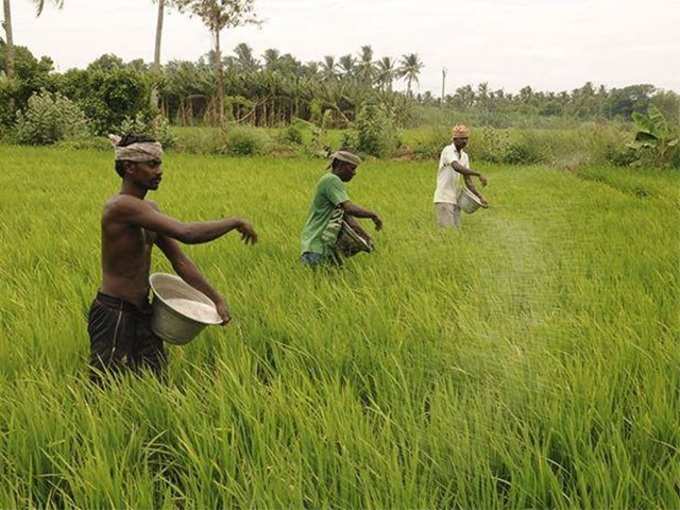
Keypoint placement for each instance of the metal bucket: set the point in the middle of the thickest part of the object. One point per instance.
(180, 312)
(468, 201)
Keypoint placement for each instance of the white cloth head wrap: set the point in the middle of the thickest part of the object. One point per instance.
(138, 152)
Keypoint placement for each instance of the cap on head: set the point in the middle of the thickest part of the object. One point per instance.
(347, 157)
(460, 131)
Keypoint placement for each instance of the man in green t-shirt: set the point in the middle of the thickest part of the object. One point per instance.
(329, 208)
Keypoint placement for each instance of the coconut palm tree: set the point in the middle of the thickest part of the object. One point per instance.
(162, 4)
(386, 71)
(410, 68)
(40, 5)
(217, 15)
(9, 41)
(246, 59)
(365, 67)
(271, 58)
(311, 69)
(329, 68)
(347, 65)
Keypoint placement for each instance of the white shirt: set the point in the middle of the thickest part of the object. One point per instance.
(450, 182)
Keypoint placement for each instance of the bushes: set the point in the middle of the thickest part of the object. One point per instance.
(490, 144)
(428, 143)
(376, 132)
(349, 140)
(108, 98)
(292, 135)
(156, 127)
(486, 144)
(49, 118)
(7, 92)
(524, 151)
(198, 140)
(566, 148)
(605, 143)
(590, 144)
(244, 141)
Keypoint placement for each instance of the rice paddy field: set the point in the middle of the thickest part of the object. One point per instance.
(529, 361)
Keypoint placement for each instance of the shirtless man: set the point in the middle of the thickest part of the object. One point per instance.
(119, 321)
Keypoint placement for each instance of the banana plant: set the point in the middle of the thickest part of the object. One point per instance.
(654, 136)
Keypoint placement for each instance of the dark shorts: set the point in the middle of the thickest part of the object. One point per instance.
(121, 337)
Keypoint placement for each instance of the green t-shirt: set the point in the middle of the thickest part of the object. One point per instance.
(317, 237)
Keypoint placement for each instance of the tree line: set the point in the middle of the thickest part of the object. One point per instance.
(274, 88)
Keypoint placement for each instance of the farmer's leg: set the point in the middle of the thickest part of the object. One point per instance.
(456, 215)
(444, 214)
(109, 327)
(149, 352)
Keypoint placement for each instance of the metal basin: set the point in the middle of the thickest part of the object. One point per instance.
(180, 312)
(468, 201)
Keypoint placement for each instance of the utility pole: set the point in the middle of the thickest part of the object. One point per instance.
(443, 85)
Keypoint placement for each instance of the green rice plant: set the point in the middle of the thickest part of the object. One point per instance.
(527, 361)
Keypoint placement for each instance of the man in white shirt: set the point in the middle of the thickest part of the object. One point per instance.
(454, 164)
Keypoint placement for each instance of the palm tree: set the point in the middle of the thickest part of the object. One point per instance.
(217, 15)
(159, 35)
(157, 49)
(386, 71)
(246, 59)
(464, 97)
(483, 94)
(9, 41)
(365, 67)
(311, 69)
(271, 58)
(329, 68)
(289, 65)
(410, 68)
(40, 5)
(346, 65)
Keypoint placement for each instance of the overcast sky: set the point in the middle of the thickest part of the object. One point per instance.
(548, 44)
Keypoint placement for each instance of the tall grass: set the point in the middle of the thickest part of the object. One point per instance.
(529, 361)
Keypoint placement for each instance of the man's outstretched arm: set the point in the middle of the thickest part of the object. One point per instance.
(357, 227)
(138, 212)
(187, 270)
(468, 172)
(360, 212)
